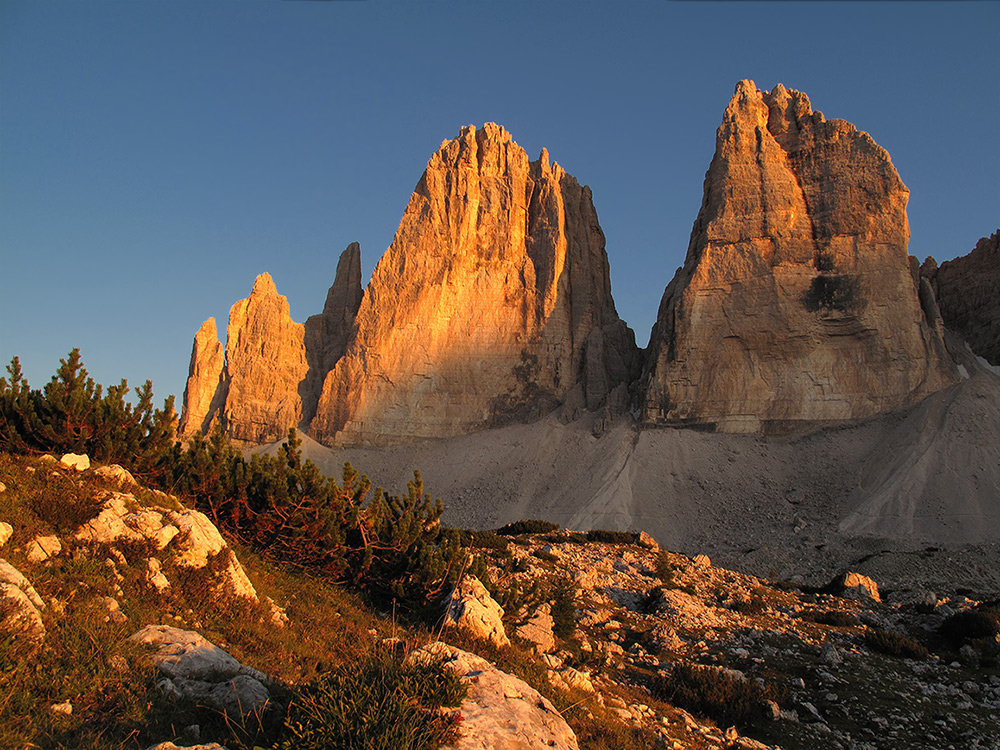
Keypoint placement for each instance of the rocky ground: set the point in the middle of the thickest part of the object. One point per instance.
(115, 589)
(910, 497)
(834, 688)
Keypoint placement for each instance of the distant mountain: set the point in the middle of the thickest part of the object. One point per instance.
(797, 305)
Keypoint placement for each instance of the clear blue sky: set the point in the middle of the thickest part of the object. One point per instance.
(156, 156)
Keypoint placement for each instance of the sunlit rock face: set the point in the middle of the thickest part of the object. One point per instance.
(271, 372)
(492, 304)
(968, 293)
(797, 300)
(265, 363)
(205, 390)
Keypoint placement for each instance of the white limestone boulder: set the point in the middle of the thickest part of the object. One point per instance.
(471, 608)
(500, 711)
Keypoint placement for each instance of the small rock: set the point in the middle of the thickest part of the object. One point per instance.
(155, 577)
(470, 607)
(6, 532)
(114, 610)
(277, 614)
(75, 461)
(115, 473)
(43, 547)
(62, 709)
(646, 541)
(830, 655)
(702, 561)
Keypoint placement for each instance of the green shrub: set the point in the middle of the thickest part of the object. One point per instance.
(527, 527)
(379, 704)
(610, 537)
(483, 540)
(893, 644)
(545, 555)
(970, 624)
(716, 694)
(834, 617)
(563, 597)
(392, 546)
(665, 571)
(74, 414)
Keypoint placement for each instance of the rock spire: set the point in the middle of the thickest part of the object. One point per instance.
(968, 293)
(270, 376)
(797, 300)
(493, 303)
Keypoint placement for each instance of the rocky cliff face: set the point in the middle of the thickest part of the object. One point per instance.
(265, 363)
(273, 368)
(968, 293)
(797, 300)
(206, 390)
(493, 303)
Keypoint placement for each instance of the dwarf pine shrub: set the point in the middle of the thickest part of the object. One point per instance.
(517, 528)
(971, 624)
(714, 693)
(74, 414)
(893, 644)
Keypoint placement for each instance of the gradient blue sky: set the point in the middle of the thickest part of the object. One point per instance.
(156, 156)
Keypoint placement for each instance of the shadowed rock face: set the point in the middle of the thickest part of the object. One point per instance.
(797, 300)
(492, 304)
(968, 293)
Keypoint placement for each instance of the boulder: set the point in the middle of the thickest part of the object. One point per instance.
(41, 548)
(500, 711)
(851, 585)
(538, 630)
(75, 461)
(471, 608)
(186, 654)
(115, 473)
(200, 541)
(20, 604)
(797, 303)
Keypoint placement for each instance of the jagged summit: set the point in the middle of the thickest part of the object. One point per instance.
(493, 304)
(797, 300)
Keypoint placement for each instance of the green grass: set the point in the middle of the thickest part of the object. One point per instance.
(380, 703)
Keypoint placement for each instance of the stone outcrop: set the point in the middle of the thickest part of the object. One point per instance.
(968, 294)
(797, 300)
(492, 304)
